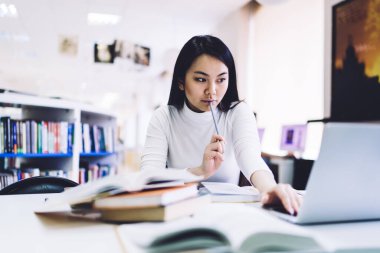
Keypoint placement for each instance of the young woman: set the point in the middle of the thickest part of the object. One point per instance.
(183, 135)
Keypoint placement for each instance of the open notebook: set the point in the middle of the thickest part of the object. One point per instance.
(344, 184)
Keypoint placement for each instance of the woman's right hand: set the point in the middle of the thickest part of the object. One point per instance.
(212, 157)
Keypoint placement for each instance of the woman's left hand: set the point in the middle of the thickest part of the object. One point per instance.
(283, 194)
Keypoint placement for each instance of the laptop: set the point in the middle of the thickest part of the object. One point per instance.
(344, 184)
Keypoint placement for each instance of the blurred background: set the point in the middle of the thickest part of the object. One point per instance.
(119, 55)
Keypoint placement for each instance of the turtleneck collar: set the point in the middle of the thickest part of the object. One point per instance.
(199, 117)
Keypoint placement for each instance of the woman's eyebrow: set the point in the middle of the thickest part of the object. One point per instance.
(205, 74)
(201, 72)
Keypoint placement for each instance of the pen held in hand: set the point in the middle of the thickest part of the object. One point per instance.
(213, 118)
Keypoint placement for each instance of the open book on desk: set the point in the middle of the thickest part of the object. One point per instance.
(123, 182)
(222, 228)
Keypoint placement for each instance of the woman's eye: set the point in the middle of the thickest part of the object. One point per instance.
(221, 80)
(199, 79)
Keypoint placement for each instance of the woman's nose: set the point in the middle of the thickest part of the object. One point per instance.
(211, 89)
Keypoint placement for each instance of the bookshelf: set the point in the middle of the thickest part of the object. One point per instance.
(55, 142)
(99, 158)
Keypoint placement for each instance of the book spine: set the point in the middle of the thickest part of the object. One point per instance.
(2, 137)
(82, 139)
(39, 137)
(51, 138)
(102, 140)
(45, 139)
(70, 134)
(64, 137)
(8, 135)
(19, 137)
(23, 130)
(92, 138)
(56, 137)
(14, 136)
(34, 136)
(27, 126)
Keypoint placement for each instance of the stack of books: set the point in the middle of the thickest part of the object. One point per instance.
(162, 204)
(157, 195)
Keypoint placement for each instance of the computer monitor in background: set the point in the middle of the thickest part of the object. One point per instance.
(261, 131)
(293, 138)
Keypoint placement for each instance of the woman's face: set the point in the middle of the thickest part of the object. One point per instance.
(206, 81)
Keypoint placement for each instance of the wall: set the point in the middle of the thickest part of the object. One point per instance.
(234, 31)
(278, 50)
(287, 69)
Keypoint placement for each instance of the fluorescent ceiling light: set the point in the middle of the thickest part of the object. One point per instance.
(8, 11)
(102, 19)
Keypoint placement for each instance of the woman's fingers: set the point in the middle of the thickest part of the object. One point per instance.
(286, 195)
(214, 155)
(216, 138)
(292, 198)
(285, 199)
(216, 146)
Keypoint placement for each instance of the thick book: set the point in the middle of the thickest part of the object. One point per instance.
(167, 212)
(123, 182)
(221, 228)
(147, 198)
(230, 193)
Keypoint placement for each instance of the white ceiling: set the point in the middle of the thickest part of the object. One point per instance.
(30, 60)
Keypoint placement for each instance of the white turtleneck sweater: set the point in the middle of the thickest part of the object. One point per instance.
(178, 138)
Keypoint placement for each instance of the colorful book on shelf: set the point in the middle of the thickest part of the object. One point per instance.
(14, 136)
(34, 137)
(227, 192)
(220, 228)
(70, 139)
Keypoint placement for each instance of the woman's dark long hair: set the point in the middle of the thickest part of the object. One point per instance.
(195, 47)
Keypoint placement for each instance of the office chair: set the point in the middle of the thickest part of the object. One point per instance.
(39, 184)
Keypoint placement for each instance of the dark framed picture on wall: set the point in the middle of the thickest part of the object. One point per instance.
(355, 65)
(104, 53)
(142, 55)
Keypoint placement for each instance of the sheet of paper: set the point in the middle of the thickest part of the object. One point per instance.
(228, 188)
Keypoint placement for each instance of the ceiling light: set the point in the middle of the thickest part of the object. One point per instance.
(8, 11)
(102, 19)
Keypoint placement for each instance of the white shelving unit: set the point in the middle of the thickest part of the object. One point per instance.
(52, 109)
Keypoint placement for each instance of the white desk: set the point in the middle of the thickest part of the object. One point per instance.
(350, 235)
(23, 231)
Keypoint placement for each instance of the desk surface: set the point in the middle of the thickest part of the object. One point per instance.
(353, 235)
(23, 231)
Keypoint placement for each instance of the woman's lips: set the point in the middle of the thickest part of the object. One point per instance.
(208, 101)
